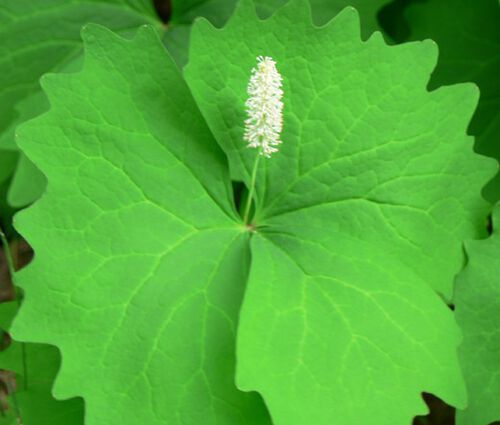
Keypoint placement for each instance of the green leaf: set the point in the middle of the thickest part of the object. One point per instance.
(184, 12)
(477, 302)
(176, 40)
(33, 41)
(323, 11)
(36, 367)
(219, 11)
(44, 36)
(332, 331)
(360, 214)
(360, 128)
(468, 44)
(140, 259)
(7, 312)
(27, 183)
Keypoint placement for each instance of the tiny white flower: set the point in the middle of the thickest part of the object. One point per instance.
(264, 107)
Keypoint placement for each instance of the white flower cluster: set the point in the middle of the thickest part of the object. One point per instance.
(264, 107)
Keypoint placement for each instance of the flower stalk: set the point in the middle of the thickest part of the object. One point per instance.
(252, 188)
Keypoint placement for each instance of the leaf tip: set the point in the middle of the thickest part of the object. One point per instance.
(299, 8)
(376, 36)
(243, 10)
(349, 19)
(432, 47)
(90, 33)
(146, 32)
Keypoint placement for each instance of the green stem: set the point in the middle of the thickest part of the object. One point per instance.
(252, 188)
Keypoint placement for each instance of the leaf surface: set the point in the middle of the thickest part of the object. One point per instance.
(44, 36)
(333, 333)
(140, 260)
(323, 11)
(374, 182)
(219, 11)
(468, 44)
(477, 306)
(359, 127)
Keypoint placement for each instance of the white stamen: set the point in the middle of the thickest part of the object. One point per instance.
(264, 107)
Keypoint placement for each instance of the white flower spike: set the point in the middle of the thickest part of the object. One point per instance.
(264, 107)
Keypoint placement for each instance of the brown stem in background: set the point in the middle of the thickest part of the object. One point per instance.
(164, 9)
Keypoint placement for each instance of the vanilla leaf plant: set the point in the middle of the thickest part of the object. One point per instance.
(327, 305)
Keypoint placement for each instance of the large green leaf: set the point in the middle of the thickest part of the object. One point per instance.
(477, 301)
(332, 332)
(140, 262)
(468, 35)
(36, 366)
(360, 214)
(43, 36)
(360, 129)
